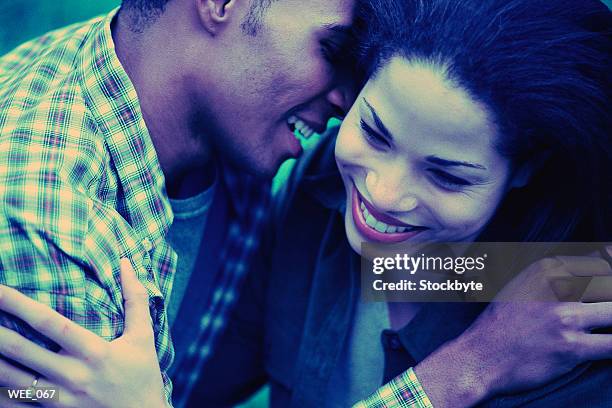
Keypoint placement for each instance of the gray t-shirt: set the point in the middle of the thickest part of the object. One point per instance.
(185, 236)
(360, 370)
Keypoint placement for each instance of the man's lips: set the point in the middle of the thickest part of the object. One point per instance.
(371, 233)
(294, 145)
(317, 126)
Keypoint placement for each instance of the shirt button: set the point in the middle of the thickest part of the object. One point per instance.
(146, 243)
(394, 343)
(391, 340)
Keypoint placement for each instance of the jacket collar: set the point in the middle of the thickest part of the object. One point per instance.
(321, 179)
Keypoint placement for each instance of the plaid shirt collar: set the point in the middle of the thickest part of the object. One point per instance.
(118, 206)
(111, 99)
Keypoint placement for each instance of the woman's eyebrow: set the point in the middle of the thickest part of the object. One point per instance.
(451, 163)
(432, 159)
(379, 123)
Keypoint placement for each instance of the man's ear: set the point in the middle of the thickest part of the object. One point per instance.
(214, 14)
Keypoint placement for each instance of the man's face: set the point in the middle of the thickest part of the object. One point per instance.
(263, 82)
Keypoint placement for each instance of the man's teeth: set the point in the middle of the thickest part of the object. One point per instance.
(379, 225)
(305, 130)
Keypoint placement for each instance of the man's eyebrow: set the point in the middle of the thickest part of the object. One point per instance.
(452, 163)
(379, 123)
(344, 30)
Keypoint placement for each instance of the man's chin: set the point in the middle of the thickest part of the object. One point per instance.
(258, 170)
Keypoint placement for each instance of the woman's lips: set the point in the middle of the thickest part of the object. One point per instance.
(369, 232)
(387, 219)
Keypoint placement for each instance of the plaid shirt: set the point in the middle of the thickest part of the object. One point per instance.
(404, 391)
(249, 214)
(81, 187)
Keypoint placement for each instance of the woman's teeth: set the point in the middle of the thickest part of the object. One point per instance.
(299, 125)
(381, 226)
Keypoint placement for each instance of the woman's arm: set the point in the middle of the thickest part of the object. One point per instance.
(88, 371)
(517, 344)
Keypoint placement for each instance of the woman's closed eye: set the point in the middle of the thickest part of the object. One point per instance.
(375, 139)
(447, 180)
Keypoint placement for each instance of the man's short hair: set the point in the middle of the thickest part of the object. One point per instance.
(144, 12)
(252, 22)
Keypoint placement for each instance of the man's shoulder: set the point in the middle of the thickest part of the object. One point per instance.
(41, 80)
(54, 134)
(45, 123)
(53, 159)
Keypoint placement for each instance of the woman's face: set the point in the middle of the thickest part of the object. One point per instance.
(417, 158)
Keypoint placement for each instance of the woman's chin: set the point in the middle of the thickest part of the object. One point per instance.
(352, 235)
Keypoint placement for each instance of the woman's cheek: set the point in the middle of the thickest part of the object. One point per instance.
(460, 215)
(350, 146)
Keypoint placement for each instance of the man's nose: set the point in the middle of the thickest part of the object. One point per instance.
(390, 196)
(341, 98)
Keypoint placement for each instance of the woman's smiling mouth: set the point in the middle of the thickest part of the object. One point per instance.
(376, 226)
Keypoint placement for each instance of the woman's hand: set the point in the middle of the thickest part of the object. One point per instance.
(525, 339)
(88, 371)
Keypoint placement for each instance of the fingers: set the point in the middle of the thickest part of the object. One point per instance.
(599, 289)
(11, 376)
(69, 335)
(6, 403)
(584, 265)
(31, 355)
(135, 302)
(597, 346)
(570, 276)
(595, 315)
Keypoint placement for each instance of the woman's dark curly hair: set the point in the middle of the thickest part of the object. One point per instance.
(542, 67)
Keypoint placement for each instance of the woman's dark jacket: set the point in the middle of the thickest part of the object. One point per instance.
(295, 310)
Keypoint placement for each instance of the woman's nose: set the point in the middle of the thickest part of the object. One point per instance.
(389, 196)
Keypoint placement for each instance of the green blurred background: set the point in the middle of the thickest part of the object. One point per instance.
(21, 20)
